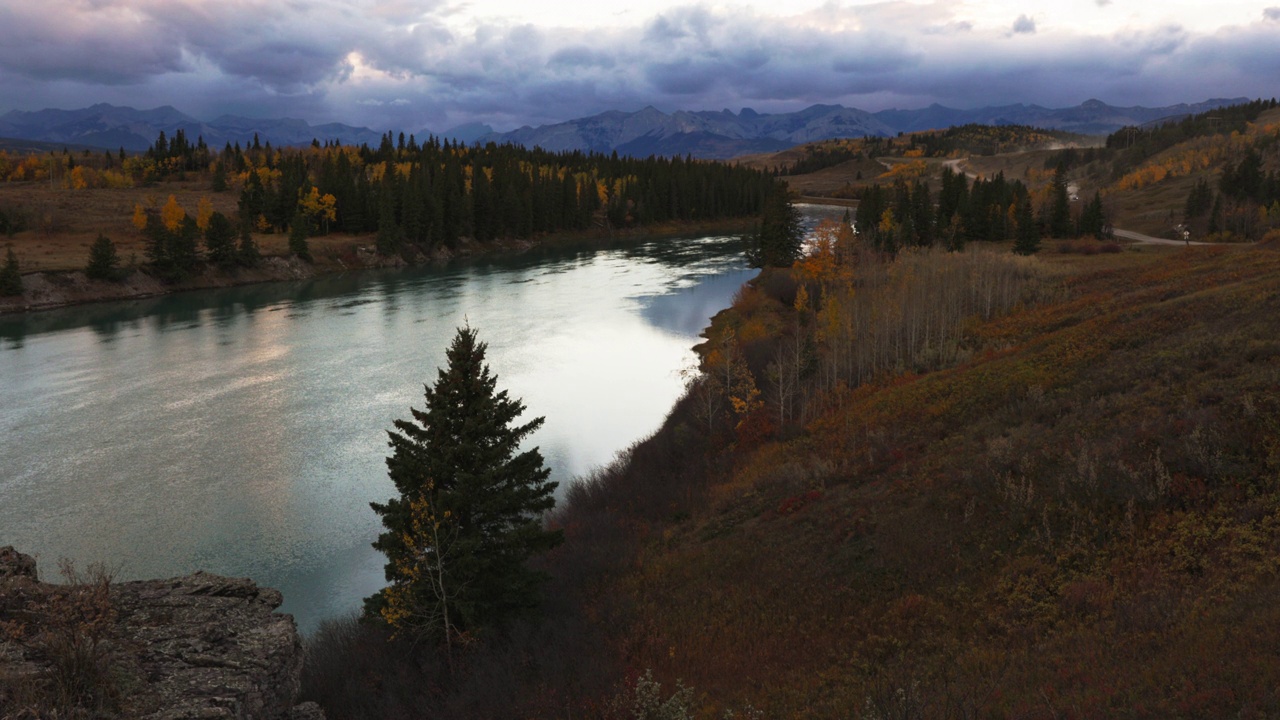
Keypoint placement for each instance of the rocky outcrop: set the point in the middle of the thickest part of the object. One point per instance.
(199, 646)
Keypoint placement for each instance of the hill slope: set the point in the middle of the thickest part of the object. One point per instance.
(1070, 509)
(1080, 520)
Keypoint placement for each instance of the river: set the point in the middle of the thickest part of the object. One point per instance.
(243, 431)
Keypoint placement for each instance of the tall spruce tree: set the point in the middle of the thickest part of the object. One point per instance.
(1059, 219)
(1027, 238)
(220, 241)
(247, 252)
(777, 242)
(299, 229)
(468, 513)
(1093, 218)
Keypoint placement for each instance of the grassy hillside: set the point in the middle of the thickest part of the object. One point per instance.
(1058, 501)
(1080, 519)
(1144, 175)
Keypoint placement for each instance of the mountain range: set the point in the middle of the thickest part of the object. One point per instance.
(702, 134)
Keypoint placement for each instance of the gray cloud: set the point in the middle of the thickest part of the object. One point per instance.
(580, 56)
(310, 58)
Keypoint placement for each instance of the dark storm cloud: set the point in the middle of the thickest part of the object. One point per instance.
(401, 64)
(579, 56)
(52, 41)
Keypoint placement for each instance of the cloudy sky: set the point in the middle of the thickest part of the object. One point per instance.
(411, 64)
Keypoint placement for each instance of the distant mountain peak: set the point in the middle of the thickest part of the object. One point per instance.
(704, 134)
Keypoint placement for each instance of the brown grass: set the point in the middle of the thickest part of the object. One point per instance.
(71, 627)
(1008, 537)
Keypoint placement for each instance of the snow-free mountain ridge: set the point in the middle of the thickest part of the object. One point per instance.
(649, 131)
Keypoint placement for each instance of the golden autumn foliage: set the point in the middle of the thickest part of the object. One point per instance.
(906, 170)
(323, 208)
(139, 218)
(1194, 156)
(429, 540)
(204, 211)
(172, 214)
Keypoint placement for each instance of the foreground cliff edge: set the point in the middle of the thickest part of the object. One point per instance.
(198, 646)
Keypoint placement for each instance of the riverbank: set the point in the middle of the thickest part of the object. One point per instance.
(51, 289)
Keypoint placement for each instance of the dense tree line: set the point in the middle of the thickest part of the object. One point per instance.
(906, 215)
(1246, 206)
(436, 193)
(976, 139)
(1135, 144)
(821, 156)
(179, 154)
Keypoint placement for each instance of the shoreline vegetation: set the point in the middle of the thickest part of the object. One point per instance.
(335, 254)
(191, 216)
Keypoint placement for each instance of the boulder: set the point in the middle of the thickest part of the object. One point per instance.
(15, 564)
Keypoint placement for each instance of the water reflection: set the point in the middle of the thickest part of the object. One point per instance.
(243, 431)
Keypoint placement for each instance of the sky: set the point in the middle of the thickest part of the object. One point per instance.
(435, 64)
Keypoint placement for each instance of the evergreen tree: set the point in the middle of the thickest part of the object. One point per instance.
(389, 235)
(220, 241)
(299, 229)
(10, 275)
(183, 246)
(777, 242)
(1059, 221)
(1199, 201)
(219, 181)
(157, 241)
(1093, 219)
(247, 253)
(1215, 216)
(104, 262)
(1027, 239)
(468, 513)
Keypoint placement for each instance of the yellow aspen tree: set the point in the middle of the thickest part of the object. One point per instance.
(204, 211)
(887, 223)
(172, 214)
(429, 541)
(324, 208)
(139, 216)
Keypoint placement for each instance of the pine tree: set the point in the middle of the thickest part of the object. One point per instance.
(299, 229)
(247, 253)
(219, 181)
(157, 239)
(183, 246)
(1027, 240)
(1093, 219)
(10, 275)
(1059, 221)
(467, 517)
(220, 241)
(1215, 216)
(777, 242)
(104, 262)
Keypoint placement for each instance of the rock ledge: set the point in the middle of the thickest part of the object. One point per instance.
(199, 646)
